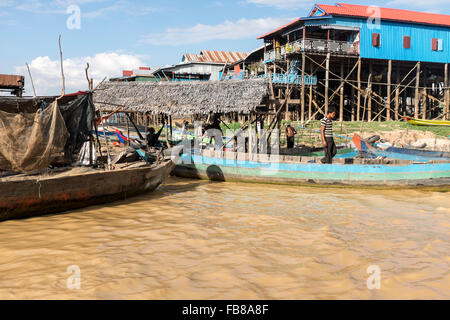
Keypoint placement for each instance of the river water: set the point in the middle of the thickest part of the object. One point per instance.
(201, 240)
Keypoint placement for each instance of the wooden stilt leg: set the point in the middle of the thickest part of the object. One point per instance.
(341, 96)
(416, 95)
(358, 106)
(388, 104)
(397, 93)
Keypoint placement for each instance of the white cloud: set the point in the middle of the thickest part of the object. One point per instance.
(282, 4)
(46, 72)
(227, 30)
(60, 6)
(126, 7)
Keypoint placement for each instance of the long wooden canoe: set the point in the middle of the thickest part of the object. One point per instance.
(27, 196)
(419, 122)
(298, 170)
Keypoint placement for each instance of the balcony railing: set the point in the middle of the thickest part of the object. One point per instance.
(314, 45)
(290, 79)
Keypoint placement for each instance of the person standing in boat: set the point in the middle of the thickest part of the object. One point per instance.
(326, 132)
(290, 136)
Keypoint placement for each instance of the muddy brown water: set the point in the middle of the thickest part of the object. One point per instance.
(194, 239)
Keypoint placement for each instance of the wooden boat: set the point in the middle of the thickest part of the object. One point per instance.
(372, 151)
(25, 196)
(419, 122)
(299, 170)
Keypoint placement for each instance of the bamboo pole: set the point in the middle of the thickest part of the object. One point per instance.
(302, 110)
(108, 165)
(63, 90)
(446, 95)
(327, 77)
(397, 93)
(353, 104)
(358, 106)
(31, 79)
(389, 75)
(416, 95)
(369, 87)
(424, 95)
(310, 95)
(341, 95)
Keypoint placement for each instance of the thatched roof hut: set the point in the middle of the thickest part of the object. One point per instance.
(183, 98)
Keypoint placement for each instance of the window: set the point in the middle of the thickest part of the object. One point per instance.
(407, 42)
(436, 44)
(375, 39)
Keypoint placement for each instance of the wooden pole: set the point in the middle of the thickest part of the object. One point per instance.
(63, 90)
(108, 165)
(397, 93)
(31, 80)
(310, 94)
(327, 80)
(369, 86)
(302, 110)
(388, 104)
(416, 95)
(358, 106)
(341, 95)
(353, 104)
(286, 96)
(446, 109)
(424, 94)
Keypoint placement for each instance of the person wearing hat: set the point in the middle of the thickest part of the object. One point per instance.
(290, 136)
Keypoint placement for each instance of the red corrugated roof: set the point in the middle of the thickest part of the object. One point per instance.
(280, 28)
(352, 10)
(386, 13)
(215, 56)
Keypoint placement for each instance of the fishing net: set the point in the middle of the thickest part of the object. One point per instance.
(31, 141)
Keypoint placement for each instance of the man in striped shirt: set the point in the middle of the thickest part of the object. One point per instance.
(327, 136)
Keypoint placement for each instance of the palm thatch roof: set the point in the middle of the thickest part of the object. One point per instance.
(183, 98)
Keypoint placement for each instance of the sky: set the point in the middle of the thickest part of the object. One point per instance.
(113, 35)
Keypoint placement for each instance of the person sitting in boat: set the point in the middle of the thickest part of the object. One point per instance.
(290, 136)
(326, 133)
(153, 137)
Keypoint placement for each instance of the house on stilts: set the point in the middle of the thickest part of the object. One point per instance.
(371, 63)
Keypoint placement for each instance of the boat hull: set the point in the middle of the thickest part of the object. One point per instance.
(39, 196)
(298, 173)
(419, 122)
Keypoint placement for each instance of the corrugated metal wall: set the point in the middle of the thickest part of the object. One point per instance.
(392, 39)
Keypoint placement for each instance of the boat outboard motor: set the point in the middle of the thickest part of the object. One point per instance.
(373, 139)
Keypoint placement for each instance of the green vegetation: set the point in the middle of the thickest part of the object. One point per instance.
(311, 135)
